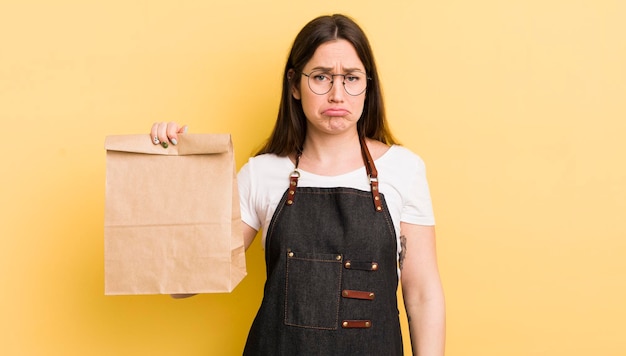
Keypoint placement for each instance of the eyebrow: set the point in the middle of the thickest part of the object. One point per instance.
(345, 70)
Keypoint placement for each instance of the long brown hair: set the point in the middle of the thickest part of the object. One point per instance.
(290, 128)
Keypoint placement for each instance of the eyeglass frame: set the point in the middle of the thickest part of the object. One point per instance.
(332, 82)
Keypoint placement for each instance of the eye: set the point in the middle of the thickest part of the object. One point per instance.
(352, 78)
(321, 77)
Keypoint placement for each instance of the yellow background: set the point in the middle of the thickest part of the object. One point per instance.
(516, 106)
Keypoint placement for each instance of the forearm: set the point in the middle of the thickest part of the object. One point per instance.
(427, 326)
(422, 290)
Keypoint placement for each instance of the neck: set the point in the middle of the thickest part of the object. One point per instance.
(331, 147)
(331, 155)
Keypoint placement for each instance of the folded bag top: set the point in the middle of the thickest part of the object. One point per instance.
(190, 144)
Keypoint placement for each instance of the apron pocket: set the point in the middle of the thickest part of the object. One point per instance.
(313, 290)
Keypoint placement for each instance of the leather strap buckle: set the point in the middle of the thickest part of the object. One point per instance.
(293, 184)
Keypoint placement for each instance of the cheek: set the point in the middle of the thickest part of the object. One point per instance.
(359, 104)
(309, 106)
(310, 100)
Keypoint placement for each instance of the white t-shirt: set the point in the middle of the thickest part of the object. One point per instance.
(401, 177)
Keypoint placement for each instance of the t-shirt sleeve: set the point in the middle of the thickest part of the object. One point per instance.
(246, 187)
(417, 205)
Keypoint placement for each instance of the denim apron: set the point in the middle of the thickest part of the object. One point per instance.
(332, 276)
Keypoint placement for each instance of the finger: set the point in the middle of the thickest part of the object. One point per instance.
(173, 129)
(154, 131)
(162, 134)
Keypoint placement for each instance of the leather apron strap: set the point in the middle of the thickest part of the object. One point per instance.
(370, 167)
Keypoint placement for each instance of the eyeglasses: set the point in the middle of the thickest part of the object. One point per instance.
(321, 82)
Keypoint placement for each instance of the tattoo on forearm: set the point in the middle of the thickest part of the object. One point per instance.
(402, 251)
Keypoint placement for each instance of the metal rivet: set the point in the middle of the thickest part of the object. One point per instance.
(374, 266)
(374, 188)
(379, 208)
(367, 324)
(376, 198)
(348, 264)
(345, 324)
(291, 192)
(345, 293)
(290, 254)
(289, 202)
(372, 295)
(293, 183)
(338, 258)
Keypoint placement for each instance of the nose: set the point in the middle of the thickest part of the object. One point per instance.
(337, 91)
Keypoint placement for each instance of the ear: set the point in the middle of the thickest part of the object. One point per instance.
(295, 87)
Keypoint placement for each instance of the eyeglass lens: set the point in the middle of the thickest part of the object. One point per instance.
(321, 82)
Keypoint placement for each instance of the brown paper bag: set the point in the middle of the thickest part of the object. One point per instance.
(172, 219)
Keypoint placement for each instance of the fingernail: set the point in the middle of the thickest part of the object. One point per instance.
(174, 142)
(164, 144)
(185, 129)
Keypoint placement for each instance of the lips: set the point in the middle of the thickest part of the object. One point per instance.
(335, 112)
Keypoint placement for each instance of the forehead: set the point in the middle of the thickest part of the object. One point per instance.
(335, 55)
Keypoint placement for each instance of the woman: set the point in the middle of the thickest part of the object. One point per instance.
(344, 211)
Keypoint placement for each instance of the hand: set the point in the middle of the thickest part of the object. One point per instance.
(164, 132)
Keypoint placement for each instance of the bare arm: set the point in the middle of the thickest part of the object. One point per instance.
(248, 235)
(422, 290)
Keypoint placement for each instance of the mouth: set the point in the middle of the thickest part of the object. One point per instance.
(335, 112)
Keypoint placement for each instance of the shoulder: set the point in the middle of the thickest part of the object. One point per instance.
(395, 153)
(266, 166)
(402, 158)
(268, 159)
(377, 149)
